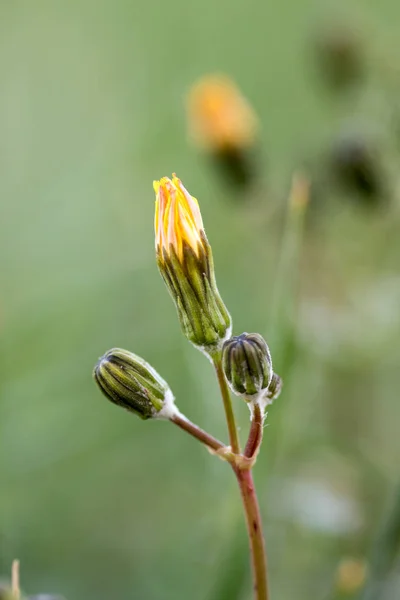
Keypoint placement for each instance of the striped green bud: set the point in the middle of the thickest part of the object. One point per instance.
(129, 381)
(274, 388)
(247, 365)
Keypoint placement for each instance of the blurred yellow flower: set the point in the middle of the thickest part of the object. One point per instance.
(219, 117)
(351, 575)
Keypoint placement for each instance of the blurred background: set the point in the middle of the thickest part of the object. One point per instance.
(95, 503)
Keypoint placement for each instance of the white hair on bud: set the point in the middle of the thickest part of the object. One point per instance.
(169, 409)
(259, 399)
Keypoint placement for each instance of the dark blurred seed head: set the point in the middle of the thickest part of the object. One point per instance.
(239, 166)
(355, 164)
(247, 364)
(129, 381)
(339, 53)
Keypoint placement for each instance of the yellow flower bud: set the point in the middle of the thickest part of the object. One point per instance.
(185, 262)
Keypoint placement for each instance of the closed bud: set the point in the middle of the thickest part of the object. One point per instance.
(247, 365)
(129, 381)
(274, 388)
(186, 264)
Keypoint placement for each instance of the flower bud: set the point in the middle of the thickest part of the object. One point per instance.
(247, 365)
(185, 262)
(130, 382)
(274, 388)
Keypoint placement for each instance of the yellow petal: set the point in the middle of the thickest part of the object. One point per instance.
(177, 217)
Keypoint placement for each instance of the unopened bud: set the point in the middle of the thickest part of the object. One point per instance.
(129, 381)
(274, 388)
(185, 262)
(247, 365)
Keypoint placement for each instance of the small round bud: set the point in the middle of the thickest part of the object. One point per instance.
(129, 381)
(274, 388)
(247, 364)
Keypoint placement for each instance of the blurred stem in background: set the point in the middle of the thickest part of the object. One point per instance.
(283, 315)
(232, 571)
(384, 553)
(282, 340)
(352, 572)
(15, 589)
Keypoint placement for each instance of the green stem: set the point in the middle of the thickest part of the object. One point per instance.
(384, 553)
(197, 432)
(254, 529)
(226, 398)
(249, 497)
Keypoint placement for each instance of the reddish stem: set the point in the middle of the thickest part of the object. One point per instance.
(256, 433)
(254, 528)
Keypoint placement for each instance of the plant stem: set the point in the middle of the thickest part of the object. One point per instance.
(15, 589)
(245, 480)
(256, 433)
(197, 432)
(226, 398)
(254, 529)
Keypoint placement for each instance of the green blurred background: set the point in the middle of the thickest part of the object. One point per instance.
(96, 504)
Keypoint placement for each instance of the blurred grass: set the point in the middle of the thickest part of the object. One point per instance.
(97, 505)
